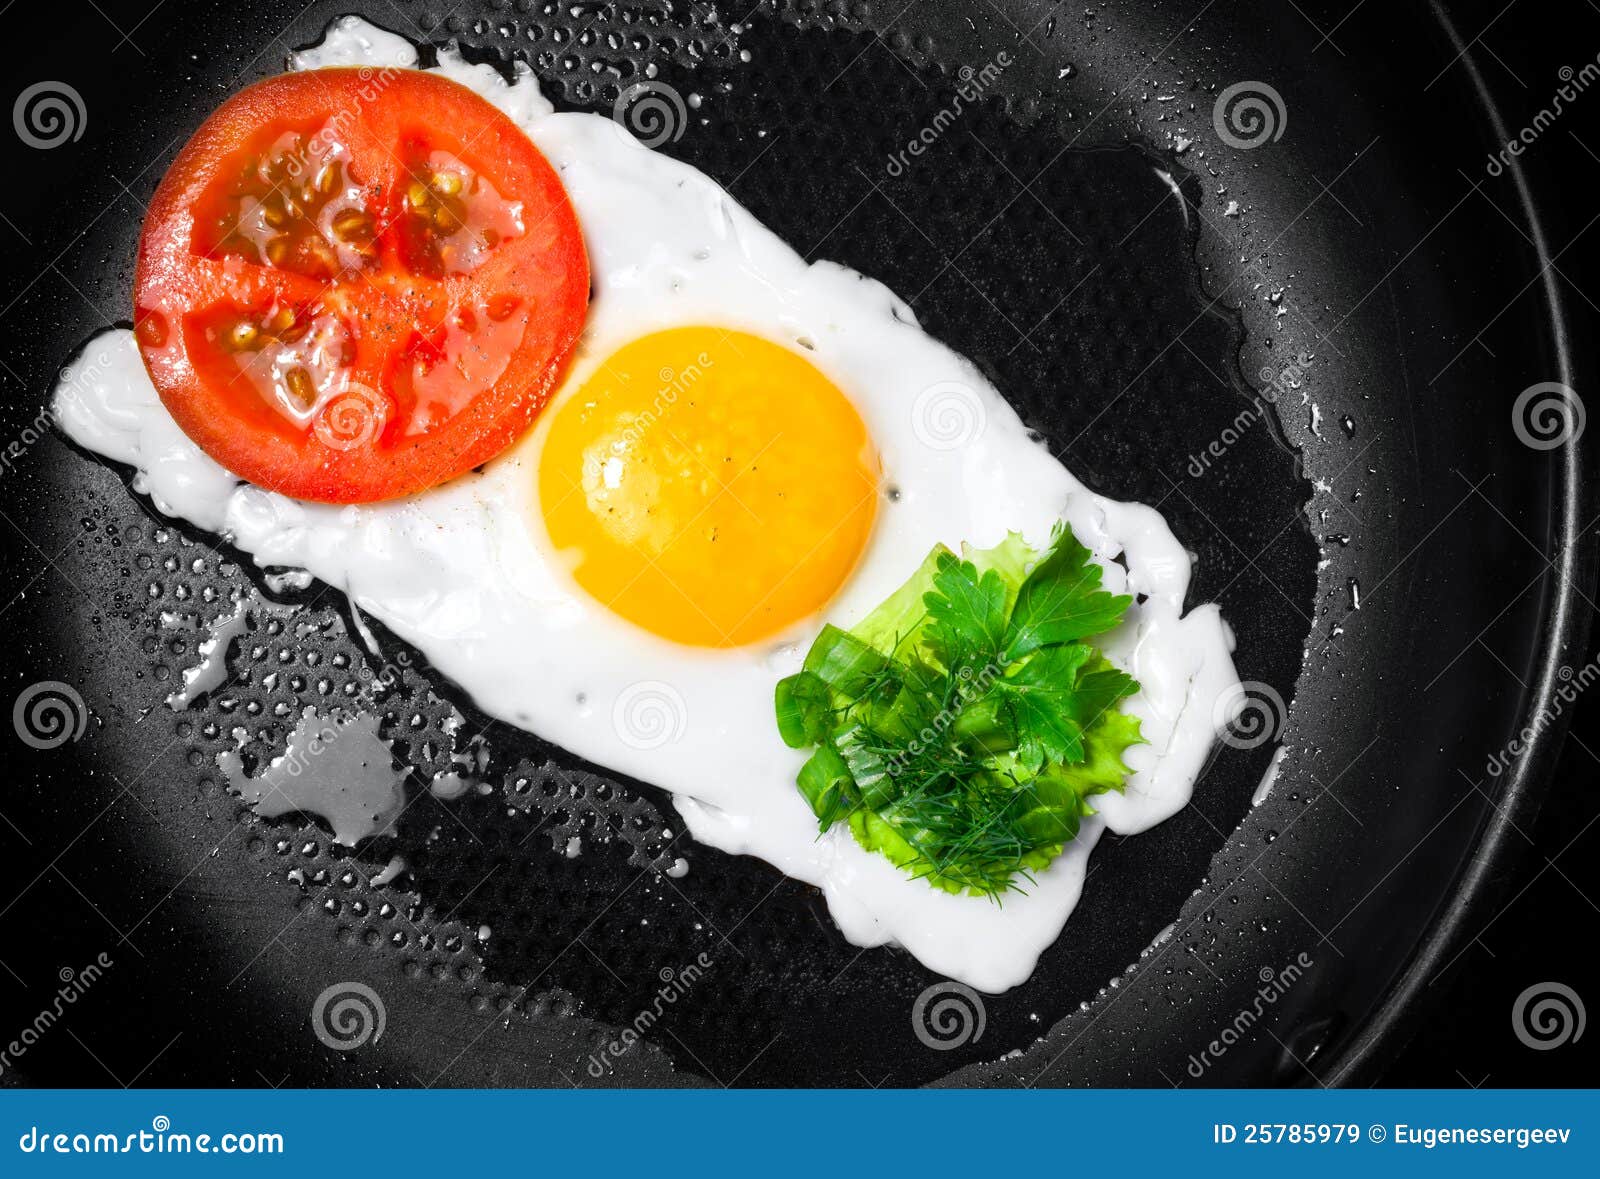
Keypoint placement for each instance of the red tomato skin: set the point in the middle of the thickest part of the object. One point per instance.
(547, 269)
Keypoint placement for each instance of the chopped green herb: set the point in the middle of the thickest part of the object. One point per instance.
(962, 726)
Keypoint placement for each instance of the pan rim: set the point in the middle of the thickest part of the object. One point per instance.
(1568, 622)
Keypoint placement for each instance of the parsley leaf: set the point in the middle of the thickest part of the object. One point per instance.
(1043, 695)
(966, 614)
(1061, 600)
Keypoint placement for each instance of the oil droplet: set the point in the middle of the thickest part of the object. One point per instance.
(337, 769)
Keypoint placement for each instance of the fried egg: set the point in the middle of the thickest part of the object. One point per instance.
(746, 445)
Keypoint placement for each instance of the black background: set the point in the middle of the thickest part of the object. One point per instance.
(1549, 921)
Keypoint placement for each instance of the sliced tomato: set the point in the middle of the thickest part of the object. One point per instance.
(354, 284)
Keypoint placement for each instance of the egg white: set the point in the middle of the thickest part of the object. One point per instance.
(466, 574)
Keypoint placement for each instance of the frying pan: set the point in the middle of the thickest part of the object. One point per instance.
(1134, 259)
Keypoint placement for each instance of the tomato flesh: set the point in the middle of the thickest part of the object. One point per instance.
(354, 286)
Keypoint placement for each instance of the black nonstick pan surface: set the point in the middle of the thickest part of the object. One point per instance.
(1150, 217)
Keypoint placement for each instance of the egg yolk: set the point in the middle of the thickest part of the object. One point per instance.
(710, 486)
